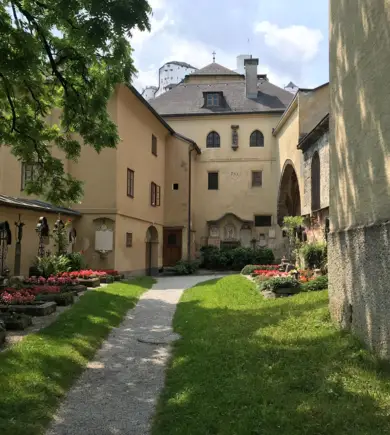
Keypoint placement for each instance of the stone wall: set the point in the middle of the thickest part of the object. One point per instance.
(359, 289)
(322, 147)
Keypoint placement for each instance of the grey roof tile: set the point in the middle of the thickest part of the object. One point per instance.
(187, 98)
(214, 69)
(35, 204)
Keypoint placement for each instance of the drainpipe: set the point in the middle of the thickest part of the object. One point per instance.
(190, 149)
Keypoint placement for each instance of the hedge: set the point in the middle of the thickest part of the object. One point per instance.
(234, 259)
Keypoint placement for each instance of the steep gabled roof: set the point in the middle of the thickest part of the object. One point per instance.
(188, 99)
(214, 69)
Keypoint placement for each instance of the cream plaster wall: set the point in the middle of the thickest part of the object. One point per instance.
(360, 121)
(133, 259)
(287, 141)
(136, 124)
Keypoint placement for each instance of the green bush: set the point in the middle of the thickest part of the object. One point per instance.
(234, 259)
(317, 284)
(250, 268)
(279, 282)
(184, 267)
(76, 261)
(314, 254)
(61, 299)
(51, 265)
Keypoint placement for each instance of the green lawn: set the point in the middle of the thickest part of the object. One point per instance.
(36, 373)
(249, 366)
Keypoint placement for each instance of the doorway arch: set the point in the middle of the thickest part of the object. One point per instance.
(151, 260)
(289, 198)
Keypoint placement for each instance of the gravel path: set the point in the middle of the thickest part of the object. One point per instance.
(117, 393)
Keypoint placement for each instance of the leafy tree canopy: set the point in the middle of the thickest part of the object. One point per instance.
(65, 54)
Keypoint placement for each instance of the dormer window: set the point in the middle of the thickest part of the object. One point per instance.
(213, 99)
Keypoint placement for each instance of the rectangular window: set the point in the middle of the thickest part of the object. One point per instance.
(130, 183)
(175, 186)
(263, 221)
(213, 100)
(129, 240)
(213, 180)
(29, 173)
(154, 145)
(257, 178)
(155, 195)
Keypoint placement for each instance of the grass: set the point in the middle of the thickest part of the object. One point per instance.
(36, 373)
(249, 366)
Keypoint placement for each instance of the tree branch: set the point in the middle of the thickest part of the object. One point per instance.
(39, 104)
(46, 45)
(15, 16)
(11, 103)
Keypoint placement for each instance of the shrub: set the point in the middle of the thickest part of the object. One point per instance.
(234, 259)
(51, 265)
(250, 268)
(279, 282)
(314, 254)
(76, 261)
(317, 284)
(184, 267)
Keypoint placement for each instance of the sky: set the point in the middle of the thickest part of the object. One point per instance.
(290, 38)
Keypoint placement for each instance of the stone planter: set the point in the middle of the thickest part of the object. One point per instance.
(75, 289)
(90, 282)
(2, 336)
(117, 277)
(287, 291)
(61, 299)
(15, 322)
(37, 309)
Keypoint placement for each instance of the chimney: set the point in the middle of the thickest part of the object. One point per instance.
(251, 77)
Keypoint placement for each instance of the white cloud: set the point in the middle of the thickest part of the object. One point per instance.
(291, 42)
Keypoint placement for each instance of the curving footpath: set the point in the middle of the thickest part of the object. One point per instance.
(117, 393)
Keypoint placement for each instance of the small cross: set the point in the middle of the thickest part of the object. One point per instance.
(214, 53)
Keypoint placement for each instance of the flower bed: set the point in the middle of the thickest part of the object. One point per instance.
(269, 273)
(82, 274)
(45, 290)
(111, 272)
(250, 268)
(52, 280)
(16, 297)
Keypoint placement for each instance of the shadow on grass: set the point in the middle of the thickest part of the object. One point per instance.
(250, 366)
(36, 373)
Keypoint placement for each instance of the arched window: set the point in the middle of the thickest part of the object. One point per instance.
(315, 182)
(257, 139)
(213, 140)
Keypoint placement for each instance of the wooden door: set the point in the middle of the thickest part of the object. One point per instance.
(172, 246)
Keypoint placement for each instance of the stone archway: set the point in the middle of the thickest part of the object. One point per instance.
(151, 260)
(289, 198)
